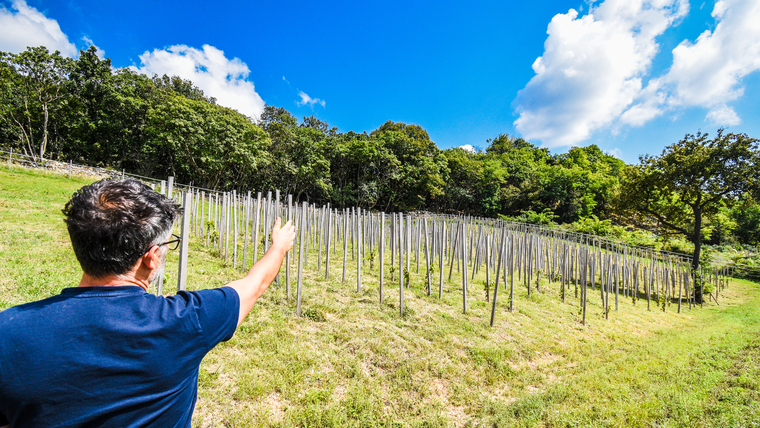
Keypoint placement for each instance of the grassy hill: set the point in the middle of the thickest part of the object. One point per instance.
(353, 362)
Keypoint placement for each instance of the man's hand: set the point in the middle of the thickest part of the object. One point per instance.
(263, 272)
(283, 237)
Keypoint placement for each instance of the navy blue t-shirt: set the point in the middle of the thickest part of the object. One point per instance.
(109, 356)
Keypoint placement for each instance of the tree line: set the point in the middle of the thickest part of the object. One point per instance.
(86, 111)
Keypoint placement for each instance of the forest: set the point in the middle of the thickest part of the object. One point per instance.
(86, 111)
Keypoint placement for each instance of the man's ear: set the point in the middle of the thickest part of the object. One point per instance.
(152, 259)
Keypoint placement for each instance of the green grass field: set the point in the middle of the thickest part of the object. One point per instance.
(354, 362)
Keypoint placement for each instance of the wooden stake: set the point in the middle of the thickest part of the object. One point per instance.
(185, 234)
(441, 250)
(382, 253)
(427, 255)
(401, 267)
(358, 251)
(301, 258)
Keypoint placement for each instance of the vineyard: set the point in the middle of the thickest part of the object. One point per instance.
(350, 361)
(487, 252)
(397, 247)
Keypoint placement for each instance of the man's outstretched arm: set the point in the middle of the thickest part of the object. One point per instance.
(263, 272)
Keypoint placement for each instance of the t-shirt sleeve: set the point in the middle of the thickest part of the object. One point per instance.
(3, 420)
(218, 310)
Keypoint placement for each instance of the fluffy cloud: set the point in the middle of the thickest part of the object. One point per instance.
(208, 68)
(723, 115)
(23, 26)
(592, 69)
(591, 72)
(708, 73)
(306, 99)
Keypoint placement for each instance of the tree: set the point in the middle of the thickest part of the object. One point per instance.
(300, 155)
(204, 143)
(363, 169)
(34, 88)
(689, 182)
(524, 165)
(581, 183)
(183, 87)
(419, 178)
(746, 219)
(105, 117)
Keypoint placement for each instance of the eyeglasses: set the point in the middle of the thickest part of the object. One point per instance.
(172, 245)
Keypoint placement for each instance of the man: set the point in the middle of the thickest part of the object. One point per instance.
(108, 353)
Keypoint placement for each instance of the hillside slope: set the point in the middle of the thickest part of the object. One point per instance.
(353, 362)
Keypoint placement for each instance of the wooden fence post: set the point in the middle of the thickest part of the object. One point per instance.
(401, 266)
(345, 242)
(185, 234)
(290, 252)
(327, 242)
(427, 254)
(441, 251)
(382, 252)
(358, 250)
(247, 209)
(301, 257)
(235, 228)
(464, 267)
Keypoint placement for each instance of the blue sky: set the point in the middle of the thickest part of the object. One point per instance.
(631, 76)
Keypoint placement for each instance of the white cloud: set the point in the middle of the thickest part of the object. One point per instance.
(218, 77)
(23, 26)
(306, 99)
(708, 73)
(592, 69)
(723, 115)
(468, 148)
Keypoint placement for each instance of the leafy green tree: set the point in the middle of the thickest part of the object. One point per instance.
(363, 169)
(690, 180)
(299, 155)
(106, 115)
(746, 219)
(34, 89)
(464, 172)
(580, 183)
(181, 86)
(204, 143)
(420, 177)
(523, 165)
(474, 183)
(490, 185)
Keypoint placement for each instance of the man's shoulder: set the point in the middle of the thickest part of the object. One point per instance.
(225, 292)
(24, 309)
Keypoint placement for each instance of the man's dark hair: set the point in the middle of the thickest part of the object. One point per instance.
(112, 223)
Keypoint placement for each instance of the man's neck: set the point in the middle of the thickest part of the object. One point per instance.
(112, 281)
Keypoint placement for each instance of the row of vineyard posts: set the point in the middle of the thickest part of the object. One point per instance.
(510, 254)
